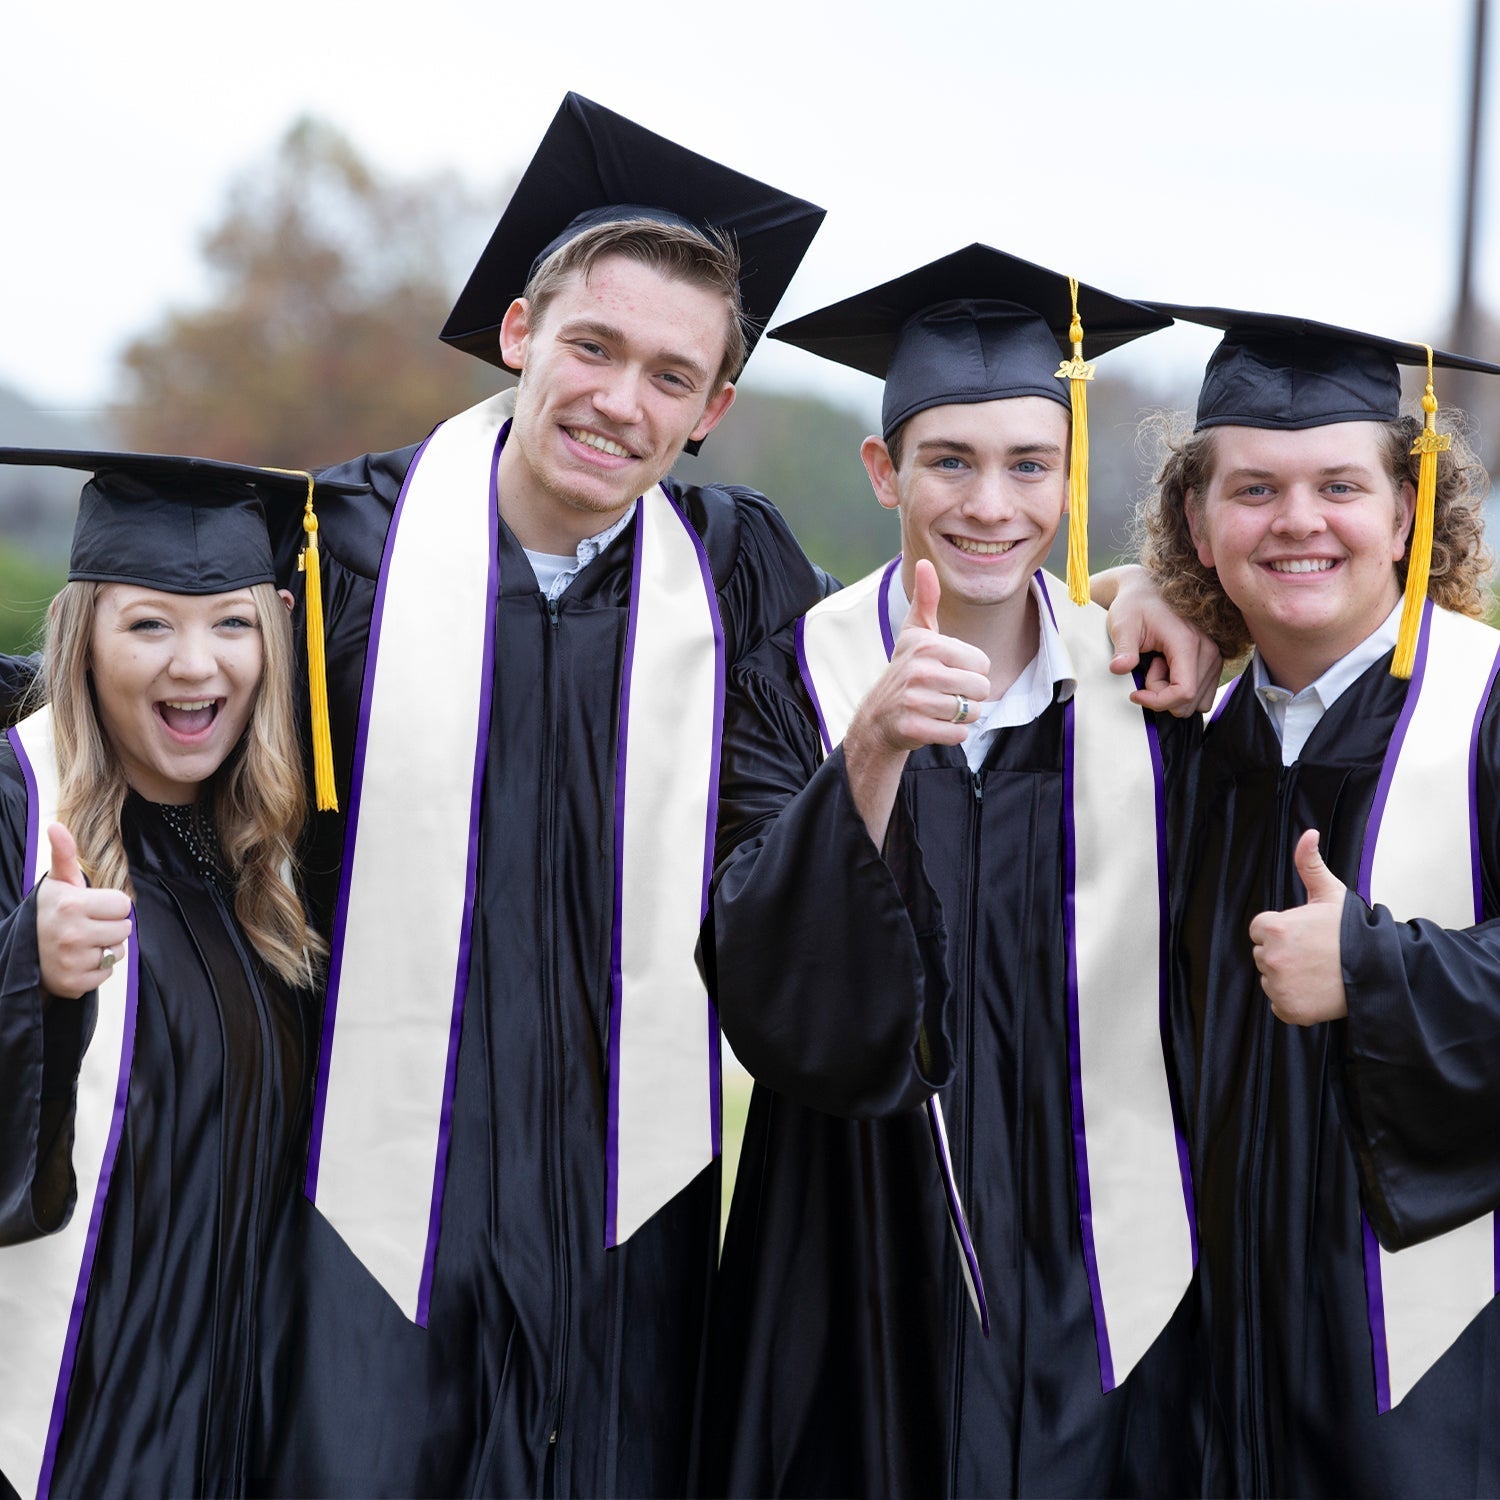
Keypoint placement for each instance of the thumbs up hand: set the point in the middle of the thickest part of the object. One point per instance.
(76, 926)
(1297, 951)
(932, 676)
(927, 696)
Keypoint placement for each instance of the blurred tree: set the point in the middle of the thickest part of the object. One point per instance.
(333, 282)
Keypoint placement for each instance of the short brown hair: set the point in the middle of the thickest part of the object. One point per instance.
(1185, 460)
(709, 259)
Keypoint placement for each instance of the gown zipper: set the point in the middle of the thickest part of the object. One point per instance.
(552, 1074)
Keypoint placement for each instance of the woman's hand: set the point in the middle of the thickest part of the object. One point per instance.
(76, 926)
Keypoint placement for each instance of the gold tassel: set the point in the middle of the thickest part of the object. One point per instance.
(1430, 442)
(324, 792)
(1076, 372)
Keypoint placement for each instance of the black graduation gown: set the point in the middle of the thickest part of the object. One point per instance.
(167, 1389)
(549, 1365)
(847, 1360)
(1401, 1101)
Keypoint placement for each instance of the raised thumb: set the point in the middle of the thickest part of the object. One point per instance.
(64, 856)
(926, 592)
(1322, 884)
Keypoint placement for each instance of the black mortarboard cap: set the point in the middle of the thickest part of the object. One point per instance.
(594, 166)
(981, 325)
(1290, 373)
(977, 325)
(182, 525)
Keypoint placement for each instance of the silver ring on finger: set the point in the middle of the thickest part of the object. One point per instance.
(108, 959)
(961, 709)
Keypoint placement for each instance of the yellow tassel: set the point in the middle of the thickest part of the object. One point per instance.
(324, 792)
(1076, 372)
(1430, 442)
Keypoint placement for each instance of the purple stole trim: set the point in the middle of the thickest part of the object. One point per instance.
(663, 527)
(1444, 1282)
(44, 1283)
(1079, 630)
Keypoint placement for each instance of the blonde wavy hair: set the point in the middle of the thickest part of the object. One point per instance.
(259, 793)
(1184, 462)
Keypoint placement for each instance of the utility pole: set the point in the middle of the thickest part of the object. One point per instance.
(1465, 388)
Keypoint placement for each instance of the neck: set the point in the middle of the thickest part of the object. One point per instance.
(1296, 659)
(541, 520)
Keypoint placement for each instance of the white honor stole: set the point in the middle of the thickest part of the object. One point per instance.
(1134, 1189)
(401, 950)
(44, 1283)
(1421, 858)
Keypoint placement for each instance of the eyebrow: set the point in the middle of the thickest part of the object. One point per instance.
(1358, 470)
(607, 333)
(967, 450)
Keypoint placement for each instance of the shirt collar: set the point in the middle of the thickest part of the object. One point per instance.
(556, 570)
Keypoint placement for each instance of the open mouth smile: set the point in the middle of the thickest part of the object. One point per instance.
(188, 719)
(1303, 565)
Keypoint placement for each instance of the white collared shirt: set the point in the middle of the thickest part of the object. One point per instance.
(1048, 675)
(555, 571)
(1294, 716)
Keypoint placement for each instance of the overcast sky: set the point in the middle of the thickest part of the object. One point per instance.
(1301, 156)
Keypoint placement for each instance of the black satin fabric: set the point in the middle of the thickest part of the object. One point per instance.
(549, 1365)
(164, 1397)
(846, 1359)
(1397, 1107)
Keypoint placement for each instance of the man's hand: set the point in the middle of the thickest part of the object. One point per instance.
(914, 703)
(1183, 679)
(76, 925)
(1298, 952)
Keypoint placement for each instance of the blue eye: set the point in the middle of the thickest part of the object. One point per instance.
(147, 627)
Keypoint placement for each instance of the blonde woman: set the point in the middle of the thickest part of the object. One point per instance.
(157, 1002)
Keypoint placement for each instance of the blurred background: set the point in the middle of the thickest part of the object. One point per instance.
(237, 233)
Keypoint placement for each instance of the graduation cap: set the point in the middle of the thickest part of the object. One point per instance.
(596, 167)
(981, 325)
(1293, 373)
(196, 526)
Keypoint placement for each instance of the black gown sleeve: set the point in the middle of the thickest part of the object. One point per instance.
(829, 954)
(1422, 1050)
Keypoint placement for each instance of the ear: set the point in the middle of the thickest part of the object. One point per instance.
(515, 328)
(718, 404)
(1196, 529)
(286, 599)
(1405, 517)
(876, 458)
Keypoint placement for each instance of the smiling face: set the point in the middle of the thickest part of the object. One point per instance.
(616, 376)
(981, 490)
(1304, 529)
(175, 679)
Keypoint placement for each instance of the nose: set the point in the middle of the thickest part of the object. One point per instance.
(989, 500)
(193, 656)
(1299, 514)
(617, 397)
